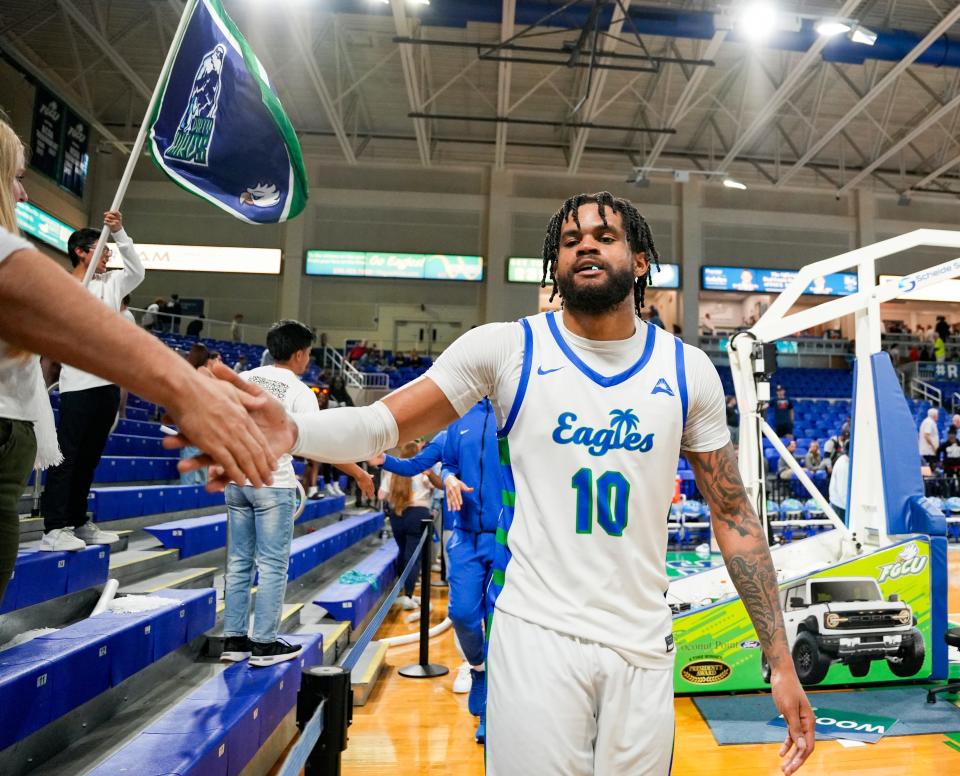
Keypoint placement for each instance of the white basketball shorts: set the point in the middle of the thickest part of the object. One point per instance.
(561, 706)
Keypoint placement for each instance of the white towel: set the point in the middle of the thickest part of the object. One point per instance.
(48, 450)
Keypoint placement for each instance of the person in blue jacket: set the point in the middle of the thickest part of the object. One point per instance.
(473, 483)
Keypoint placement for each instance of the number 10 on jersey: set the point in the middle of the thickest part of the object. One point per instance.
(611, 496)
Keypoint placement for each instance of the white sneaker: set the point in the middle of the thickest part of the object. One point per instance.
(416, 599)
(61, 540)
(463, 681)
(406, 603)
(435, 567)
(338, 490)
(91, 533)
(331, 490)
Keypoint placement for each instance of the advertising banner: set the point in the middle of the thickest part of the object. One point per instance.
(37, 223)
(529, 270)
(928, 370)
(773, 281)
(865, 620)
(76, 159)
(409, 266)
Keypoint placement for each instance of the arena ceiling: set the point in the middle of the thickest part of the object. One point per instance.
(672, 87)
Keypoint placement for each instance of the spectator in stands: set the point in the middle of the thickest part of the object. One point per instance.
(28, 437)
(813, 460)
(706, 328)
(409, 499)
(236, 328)
(125, 310)
(400, 359)
(939, 349)
(260, 520)
(833, 443)
(733, 419)
(195, 326)
(338, 392)
(174, 310)
(914, 354)
(151, 318)
(955, 423)
(197, 357)
(88, 404)
(783, 468)
(929, 437)
(894, 353)
(782, 413)
(357, 351)
(942, 328)
(839, 482)
(948, 454)
(926, 354)
(241, 365)
(415, 360)
(654, 317)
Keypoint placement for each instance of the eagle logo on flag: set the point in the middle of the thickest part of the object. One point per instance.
(195, 131)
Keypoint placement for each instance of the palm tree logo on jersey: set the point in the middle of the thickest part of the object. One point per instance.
(621, 435)
(621, 419)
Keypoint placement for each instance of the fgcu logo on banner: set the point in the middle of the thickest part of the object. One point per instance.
(218, 128)
(621, 435)
(908, 563)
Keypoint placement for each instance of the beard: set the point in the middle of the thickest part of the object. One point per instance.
(596, 298)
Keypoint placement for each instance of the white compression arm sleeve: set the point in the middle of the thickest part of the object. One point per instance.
(345, 434)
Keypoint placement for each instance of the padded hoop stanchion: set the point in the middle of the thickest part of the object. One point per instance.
(424, 669)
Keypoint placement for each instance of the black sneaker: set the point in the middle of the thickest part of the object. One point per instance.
(271, 654)
(235, 649)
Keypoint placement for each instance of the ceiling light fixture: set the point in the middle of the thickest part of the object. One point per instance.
(757, 21)
(731, 183)
(862, 35)
(831, 27)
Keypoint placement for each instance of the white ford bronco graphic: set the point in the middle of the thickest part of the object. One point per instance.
(846, 620)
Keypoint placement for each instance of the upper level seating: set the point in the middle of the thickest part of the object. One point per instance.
(803, 383)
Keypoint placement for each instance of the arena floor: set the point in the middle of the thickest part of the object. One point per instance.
(419, 727)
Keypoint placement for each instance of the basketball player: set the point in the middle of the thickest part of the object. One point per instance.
(594, 407)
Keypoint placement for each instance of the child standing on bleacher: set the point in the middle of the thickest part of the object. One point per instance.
(260, 520)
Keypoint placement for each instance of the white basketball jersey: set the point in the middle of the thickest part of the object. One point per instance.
(589, 466)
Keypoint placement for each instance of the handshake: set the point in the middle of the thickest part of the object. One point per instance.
(241, 429)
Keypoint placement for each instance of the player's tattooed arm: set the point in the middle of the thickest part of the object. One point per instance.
(744, 546)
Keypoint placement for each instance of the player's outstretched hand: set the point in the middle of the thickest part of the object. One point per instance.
(454, 489)
(792, 703)
(216, 417)
(364, 481)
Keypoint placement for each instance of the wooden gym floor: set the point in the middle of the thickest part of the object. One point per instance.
(418, 727)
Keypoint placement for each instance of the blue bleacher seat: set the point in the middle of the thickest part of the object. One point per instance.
(41, 576)
(309, 551)
(51, 675)
(353, 601)
(218, 728)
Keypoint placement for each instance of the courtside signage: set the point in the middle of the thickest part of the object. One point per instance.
(942, 291)
(43, 226)
(409, 266)
(204, 258)
(773, 281)
(528, 270)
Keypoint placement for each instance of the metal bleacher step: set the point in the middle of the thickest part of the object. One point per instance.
(365, 673)
(336, 638)
(186, 578)
(135, 565)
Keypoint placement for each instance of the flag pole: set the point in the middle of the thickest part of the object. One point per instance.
(141, 136)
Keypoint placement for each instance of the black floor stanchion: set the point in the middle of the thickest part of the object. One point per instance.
(424, 669)
(329, 685)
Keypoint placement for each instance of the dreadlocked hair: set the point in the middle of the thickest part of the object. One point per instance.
(639, 237)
